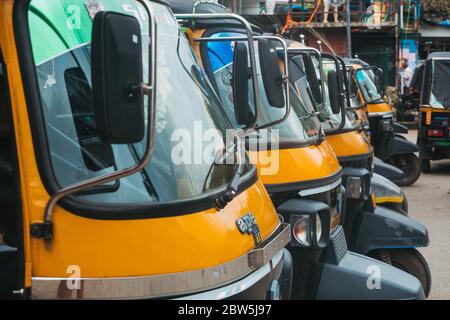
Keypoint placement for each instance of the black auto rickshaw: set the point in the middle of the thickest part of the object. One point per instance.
(434, 116)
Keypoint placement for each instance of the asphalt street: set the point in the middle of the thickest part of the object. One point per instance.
(429, 203)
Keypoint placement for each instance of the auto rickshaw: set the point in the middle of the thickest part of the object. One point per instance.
(305, 185)
(94, 206)
(389, 145)
(350, 142)
(434, 111)
(320, 80)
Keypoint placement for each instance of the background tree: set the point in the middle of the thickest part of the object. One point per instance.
(436, 9)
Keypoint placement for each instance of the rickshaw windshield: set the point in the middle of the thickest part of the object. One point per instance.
(190, 122)
(366, 82)
(440, 94)
(329, 120)
(298, 128)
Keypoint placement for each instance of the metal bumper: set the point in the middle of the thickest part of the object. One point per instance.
(216, 282)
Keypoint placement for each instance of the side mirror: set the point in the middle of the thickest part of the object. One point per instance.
(240, 84)
(314, 82)
(117, 77)
(333, 91)
(353, 87)
(272, 76)
(379, 81)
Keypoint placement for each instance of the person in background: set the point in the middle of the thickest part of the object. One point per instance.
(406, 74)
(332, 3)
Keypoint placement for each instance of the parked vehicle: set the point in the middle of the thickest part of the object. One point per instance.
(389, 145)
(369, 228)
(434, 110)
(306, 186)
(344, 131)
(93, 205)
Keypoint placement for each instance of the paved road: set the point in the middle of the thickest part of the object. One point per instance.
(429, 203)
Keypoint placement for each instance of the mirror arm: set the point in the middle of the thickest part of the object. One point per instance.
(284, 80)
(251, 44)
(45, 230)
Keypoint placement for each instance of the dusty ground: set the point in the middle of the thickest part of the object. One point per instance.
(429, 203)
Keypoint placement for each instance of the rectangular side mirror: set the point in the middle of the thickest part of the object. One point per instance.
(117, 75)
(239, 80)
(271, 74)
(333, 91)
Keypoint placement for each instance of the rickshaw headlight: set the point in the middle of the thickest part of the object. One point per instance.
(354, 187)
(302, 230)
(387, 125)
(310, 222)
(318, 228)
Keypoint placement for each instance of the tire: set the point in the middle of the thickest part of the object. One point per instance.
(411, 166)
(407, 260)
(412, 262)
(426, 166)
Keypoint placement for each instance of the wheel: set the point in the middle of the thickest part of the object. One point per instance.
(426, 166)
(408, 260)
(411, 166)
(412, 262)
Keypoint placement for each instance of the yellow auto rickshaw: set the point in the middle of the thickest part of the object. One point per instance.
(320, 80)
(388, 143)
(98, 201)
(298, 168)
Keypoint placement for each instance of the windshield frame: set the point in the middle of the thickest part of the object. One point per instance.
(208, 32)
(74, 204)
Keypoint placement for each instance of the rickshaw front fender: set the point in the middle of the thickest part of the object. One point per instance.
(399, 128)
(396, 146)
(388, 171)
(382, 228)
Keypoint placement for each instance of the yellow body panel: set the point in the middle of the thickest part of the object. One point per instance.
(379, 107)
(296, 165)
(121, 248)
(349, 144)
(431, 109)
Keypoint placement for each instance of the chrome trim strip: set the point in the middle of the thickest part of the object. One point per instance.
(240, 286)
(381, 114)
(328, 187)
(165, 285)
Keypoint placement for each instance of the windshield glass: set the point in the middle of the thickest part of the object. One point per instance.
(329, 120)
(440, 95)
(297, 128)
(190, 122)
(367, 83)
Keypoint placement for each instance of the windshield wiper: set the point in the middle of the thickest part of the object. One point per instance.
(232, 187)
(313, 114)
(144, 174)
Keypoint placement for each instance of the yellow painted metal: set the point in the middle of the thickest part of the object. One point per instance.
(349, 144)
(296, 164)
